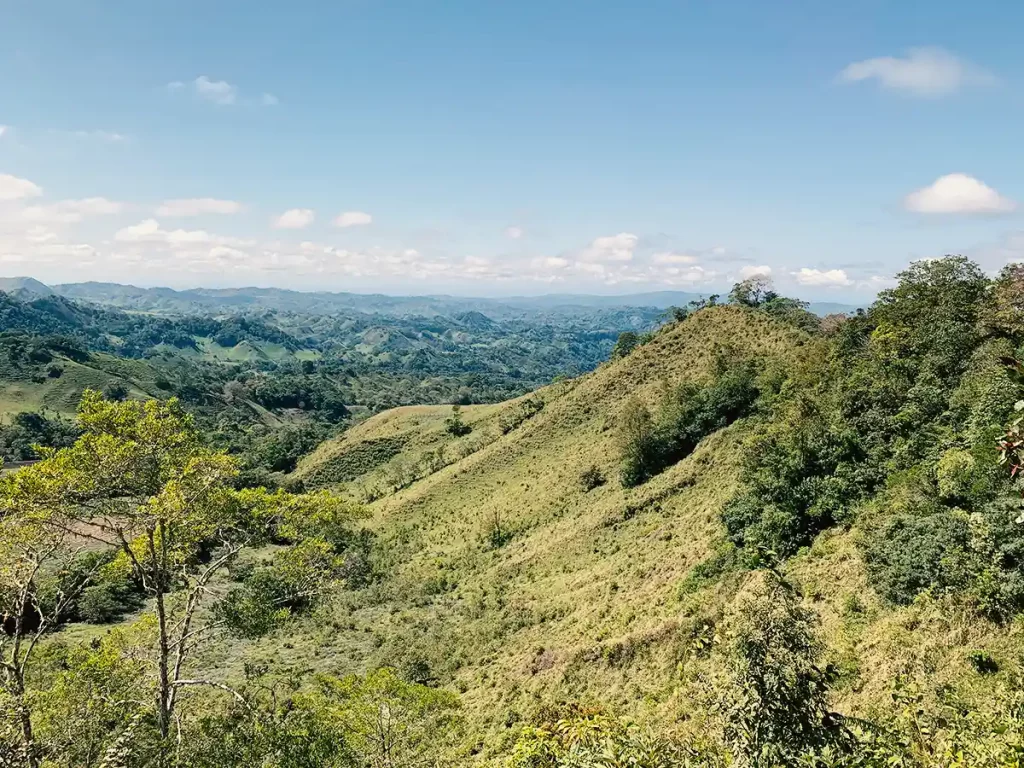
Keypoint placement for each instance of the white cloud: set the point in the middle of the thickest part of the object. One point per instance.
(352, 219)
(830, 278)
(3, 130)
(217, 91)
(750, 271)
(923, 72)
(221, 92)
(670, 257)
(197, 206)
(150, 231)
(14, 188)
(514, 233)
(71, 211)
(688, 275)
(296, 218)
(618, 247)
(957, 193)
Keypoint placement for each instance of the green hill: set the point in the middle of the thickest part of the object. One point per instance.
(586, 599)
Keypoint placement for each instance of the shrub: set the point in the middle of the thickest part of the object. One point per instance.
(687, 415)
(909, 554)
(454, 424)
(591, 478)
(799, 480)
(776, 708)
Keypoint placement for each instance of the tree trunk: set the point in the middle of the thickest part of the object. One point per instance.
(164, 692)
(27, 736)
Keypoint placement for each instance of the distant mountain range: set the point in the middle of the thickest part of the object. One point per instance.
(168, 300)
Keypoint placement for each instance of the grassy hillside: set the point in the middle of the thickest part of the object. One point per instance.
(583, 599)
(744, 518)
(589, 594)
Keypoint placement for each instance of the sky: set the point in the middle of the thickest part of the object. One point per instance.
(484, 148)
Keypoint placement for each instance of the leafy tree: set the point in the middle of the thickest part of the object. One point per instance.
(776, 702)
(140, 481)
(454, 425)
(638, 443)
(626, 343)
(753, 292)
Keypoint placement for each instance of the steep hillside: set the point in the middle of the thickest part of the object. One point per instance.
(510, 579)
(504, 573)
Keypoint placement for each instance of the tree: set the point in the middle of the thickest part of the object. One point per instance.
(626, 343)
(454, 425)
(638, 443)
(140, 481)
(753, 292)
(776, 702)
(32, 602)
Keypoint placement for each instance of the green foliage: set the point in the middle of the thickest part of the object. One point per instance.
(625, 344)
(910, 553)
(378, 720)
(575, 736)
(29, 429)
(454, 425)
(687, 415)
(140, 482)
(800, 479)
(775, 706)
(592, 477)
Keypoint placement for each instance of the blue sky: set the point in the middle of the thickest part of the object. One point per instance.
(500, 148)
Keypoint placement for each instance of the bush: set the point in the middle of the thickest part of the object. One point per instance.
(454, 425)
(798, 481)
(687, 415)
(591, 478)
(910, 554)
(776, 708)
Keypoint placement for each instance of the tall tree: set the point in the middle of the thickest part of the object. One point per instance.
(140, 480)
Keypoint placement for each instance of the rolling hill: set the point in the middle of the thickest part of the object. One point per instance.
(509, 579)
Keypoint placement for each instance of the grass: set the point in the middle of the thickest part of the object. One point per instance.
(586, 595)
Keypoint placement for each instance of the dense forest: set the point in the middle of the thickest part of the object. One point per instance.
(752, 536)
(268, 385)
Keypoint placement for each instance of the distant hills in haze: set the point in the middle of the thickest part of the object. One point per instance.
(168, 300)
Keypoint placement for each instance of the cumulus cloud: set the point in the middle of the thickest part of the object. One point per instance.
(150, 231)
(514, 233)
(4, 130)
(957, 193)
(14, 188)
(928, 72)
(197, 206)
(830, 278)
(750, 271)
(295, 218)
(220, 92)
(671, 257)
(352, 219)
(217, 91)
(618, 247)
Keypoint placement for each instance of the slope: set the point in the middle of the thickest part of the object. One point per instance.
(503, 574)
